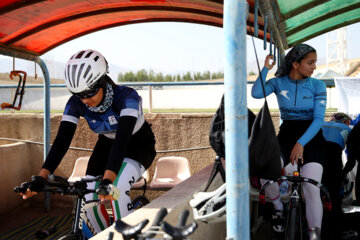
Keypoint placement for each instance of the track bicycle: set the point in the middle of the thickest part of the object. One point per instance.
(295, 226)
(167, 232)
(78, 189)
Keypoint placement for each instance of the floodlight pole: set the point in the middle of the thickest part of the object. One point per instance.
(236, 123)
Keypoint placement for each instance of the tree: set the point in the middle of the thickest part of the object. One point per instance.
(206, 75)
(159, 77)
(168, 78)
(121, 77)
(141, 76)
(218, 75)
(197, 76)
(187, 77)
(129, 77)
(178, 78)
(152, 76)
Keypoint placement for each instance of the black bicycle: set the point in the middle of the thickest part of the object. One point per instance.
(158, 228)
(296, 227)
(78, 189)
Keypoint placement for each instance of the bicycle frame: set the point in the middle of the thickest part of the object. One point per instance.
(80, 216)
(296, 201)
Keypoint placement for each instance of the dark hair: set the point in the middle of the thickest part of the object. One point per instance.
(296, 54)
(304, 56)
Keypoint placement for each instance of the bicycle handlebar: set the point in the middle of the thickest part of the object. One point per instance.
(57, 184)
(297, 179)
(156, 224)
(178, 232)
(181, 230)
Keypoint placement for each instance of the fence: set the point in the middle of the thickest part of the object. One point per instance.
(164, 95)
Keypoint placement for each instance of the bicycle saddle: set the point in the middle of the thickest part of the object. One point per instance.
(129, 231)
(179, 233)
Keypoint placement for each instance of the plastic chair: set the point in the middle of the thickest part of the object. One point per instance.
(170, 171)
(79, 169)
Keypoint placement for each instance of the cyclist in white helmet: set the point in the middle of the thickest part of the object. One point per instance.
(126, 144)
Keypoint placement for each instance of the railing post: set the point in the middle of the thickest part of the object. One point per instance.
(47, 201)
(150, 99)
(236, 124)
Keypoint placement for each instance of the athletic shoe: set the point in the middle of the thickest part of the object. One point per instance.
(278, 221)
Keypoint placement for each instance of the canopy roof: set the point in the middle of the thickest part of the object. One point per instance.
(300, 20)
(37, 26)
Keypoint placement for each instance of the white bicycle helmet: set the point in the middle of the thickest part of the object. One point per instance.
(210, 207)
(84, 69)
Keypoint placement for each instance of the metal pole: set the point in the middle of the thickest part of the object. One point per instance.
(150, 99)
(236, 124)
(31, 57)
(47, 201)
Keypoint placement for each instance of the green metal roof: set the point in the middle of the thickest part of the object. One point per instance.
(296, 21)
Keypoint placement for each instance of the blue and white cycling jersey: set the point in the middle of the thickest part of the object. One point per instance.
(298, 100)
(336, 132)
(126, 102)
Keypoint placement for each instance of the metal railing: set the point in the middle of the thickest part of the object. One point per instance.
(155, 85)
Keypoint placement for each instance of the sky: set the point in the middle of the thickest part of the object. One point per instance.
(175, 47)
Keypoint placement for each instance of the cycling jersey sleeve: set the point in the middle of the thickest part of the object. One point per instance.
(60, 146)
(257, 91)
(124, 130)
(319, 114)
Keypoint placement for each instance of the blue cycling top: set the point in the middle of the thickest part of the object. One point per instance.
(303, 99)
(126, 102)
(336, 132)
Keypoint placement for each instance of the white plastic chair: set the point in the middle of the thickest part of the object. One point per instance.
(170, 171)
(79, 169)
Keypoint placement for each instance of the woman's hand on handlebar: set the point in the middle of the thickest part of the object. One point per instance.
(296, 153)
(30, 192)
(107, 191)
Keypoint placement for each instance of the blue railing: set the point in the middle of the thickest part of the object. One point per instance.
(329, 83)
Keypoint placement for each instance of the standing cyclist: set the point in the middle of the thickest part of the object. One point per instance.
(302, 104)
(126, 143)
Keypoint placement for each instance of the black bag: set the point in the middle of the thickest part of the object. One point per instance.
(217, 129)
(264, 149)
(217, 139)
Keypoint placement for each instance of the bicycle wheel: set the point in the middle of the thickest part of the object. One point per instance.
(293, 225)
(139, 202)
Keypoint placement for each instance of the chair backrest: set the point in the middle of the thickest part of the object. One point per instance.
(79, 168)
(170, 171)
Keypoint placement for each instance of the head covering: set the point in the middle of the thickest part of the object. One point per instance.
(106, 103)
(294, 55)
